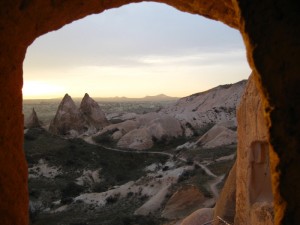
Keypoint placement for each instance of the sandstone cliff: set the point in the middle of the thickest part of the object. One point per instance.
(254, 199)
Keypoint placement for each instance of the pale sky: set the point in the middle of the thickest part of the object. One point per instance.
(133, 51)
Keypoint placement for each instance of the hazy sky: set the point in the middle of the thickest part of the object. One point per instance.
(136, 50)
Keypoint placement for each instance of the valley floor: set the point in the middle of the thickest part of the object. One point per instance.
(73, 182)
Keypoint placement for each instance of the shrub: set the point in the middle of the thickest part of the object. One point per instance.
(112, 199)
(71, 190)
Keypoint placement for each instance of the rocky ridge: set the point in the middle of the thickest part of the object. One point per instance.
(188, 117)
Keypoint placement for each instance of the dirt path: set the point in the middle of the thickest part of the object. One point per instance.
(212, 184)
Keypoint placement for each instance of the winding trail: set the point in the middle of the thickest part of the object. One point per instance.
(212, 184)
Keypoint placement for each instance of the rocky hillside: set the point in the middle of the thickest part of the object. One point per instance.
(203, 109)
(187, 118)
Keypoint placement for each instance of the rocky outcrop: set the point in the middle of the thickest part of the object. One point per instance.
(201, 216)
(183, 202)
(189, 116)
(68, 120)
(217, 136)
(71, 121)
(138, 139)
(33, 120)
(199, 111)
(142, 132)
(253, 180)
(225, 205)
(92, 113)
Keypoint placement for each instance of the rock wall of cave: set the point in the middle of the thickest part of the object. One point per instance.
(254, 199)
(271, 33)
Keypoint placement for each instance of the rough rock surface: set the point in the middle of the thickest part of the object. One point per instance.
(138, 139)
(164, 127)
(71, 121)
(217, 136)
(92, 113)
(253, 190)
(33, 120)
(152, 127)
(183, 202)
(199, 111)
(225, 205)
(68, 118)
(201, 216)
(115, 131)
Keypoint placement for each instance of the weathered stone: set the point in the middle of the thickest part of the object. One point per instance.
(138, 139)
(225, 205)
(253, 180)
(68, 119)
(183, 202)
(201, 216)
(217, 136)
(33, 120)
(92, 113)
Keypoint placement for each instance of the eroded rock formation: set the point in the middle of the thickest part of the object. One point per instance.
(253, 180)
(271, 37)
(200, 111)
(33, 120)
(71, 121)
(92, 113)
(68, 119)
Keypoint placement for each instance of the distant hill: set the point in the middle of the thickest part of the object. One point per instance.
(155, 98)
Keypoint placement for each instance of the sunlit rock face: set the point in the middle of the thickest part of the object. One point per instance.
(33, 120)
(183, 202)
(254, 199)
(225, 205)
(201, 216)
(92, 113)
(68, 120)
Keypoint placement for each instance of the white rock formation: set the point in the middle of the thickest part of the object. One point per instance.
(138, 139)
(141, 132)
(89, 177)
(217, 136)
(187, 117)
(199, 110)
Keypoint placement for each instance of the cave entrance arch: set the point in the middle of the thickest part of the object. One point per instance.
(273, 49)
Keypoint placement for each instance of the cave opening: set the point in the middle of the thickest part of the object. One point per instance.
(237, 55)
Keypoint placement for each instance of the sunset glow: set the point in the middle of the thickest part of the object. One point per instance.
(134, 51)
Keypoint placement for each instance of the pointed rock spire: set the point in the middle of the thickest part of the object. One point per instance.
(68, 118)
(32, 121)
(92, 112)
